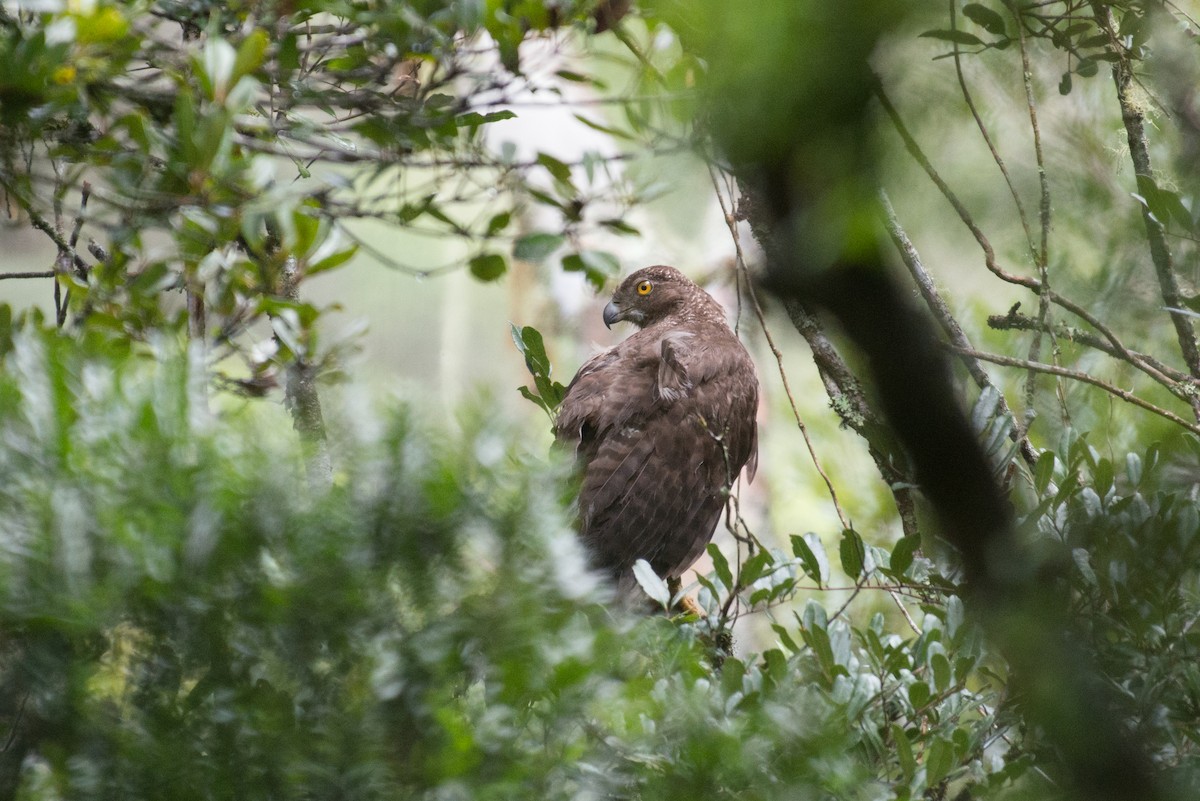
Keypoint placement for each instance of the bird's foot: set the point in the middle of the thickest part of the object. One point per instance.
(686, 605)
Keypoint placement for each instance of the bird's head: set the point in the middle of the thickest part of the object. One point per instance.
(652, 294)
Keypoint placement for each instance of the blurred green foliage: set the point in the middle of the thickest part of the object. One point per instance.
(222, 150)
(183, 617)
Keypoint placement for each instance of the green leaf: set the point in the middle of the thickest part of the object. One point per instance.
(103, 26)
(732, 673)
(529, 395)
(573, 77)
(958, 37)
(1102, 477)
(939, 760)
(1087, 68)
(651, 583)
(803, 551)
(306, 228)
(1133, 469)
(817, 638)
(534, 248)
(786, 638)
(902, 555)
(904, 752)
(473, 119)
(955, 614)
(754, 567)
(334, 259)
(608, 130)
(1043, 471)
(288, 55)
(1083, 563)
(919, 694)
(545, 199)
(620, 226)
(596, 266)
(984, 17)
(558, 169)
(721, 566)
(1163, 203)
(487, 266)
(498, 223)
(852, 552)
(1064, 85)
(532, 347)
(940, 666)
(529, 342)
(250, 54)
(984, 408)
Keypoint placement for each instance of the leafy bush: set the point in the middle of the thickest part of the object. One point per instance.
(183, 616)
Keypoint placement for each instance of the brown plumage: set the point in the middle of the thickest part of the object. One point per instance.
(662, 425)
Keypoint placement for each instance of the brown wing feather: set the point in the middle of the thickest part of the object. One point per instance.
(661, 424)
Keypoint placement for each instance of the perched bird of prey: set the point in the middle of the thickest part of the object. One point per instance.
(661, 425)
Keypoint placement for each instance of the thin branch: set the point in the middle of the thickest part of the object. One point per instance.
(1052, 369)
(941, 313)
(987, 137)
(731, 222)
(904, 503)
(989, 255)
(910, 144)
(1139, 151)
(42, 224)
(1042, 255)
(1170, 377)
(38, 274)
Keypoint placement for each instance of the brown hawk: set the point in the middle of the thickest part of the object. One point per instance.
(661, 425)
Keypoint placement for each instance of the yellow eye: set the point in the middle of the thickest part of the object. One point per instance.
(644, 288)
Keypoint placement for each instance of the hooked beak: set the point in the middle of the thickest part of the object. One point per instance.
(612, 314)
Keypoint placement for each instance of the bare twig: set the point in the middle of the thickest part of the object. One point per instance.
(731, 222)
(987, 137)
(1139, 151)
(42, 224)
(1076, 375)
(1032, 284)
(941, 313)
(37, 274)
(1042, 255)
(1170, 377)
